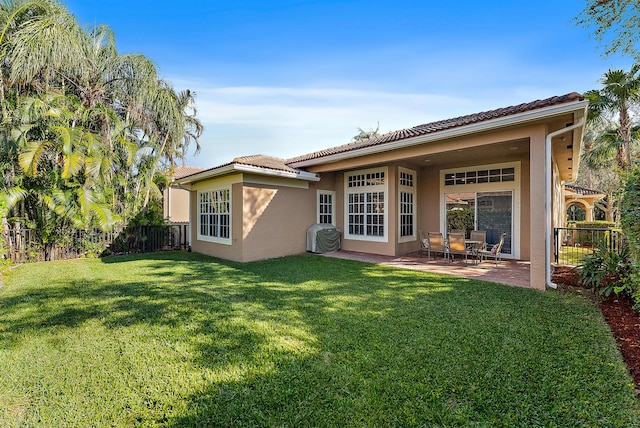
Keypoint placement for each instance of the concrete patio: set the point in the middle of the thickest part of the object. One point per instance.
(510, 272)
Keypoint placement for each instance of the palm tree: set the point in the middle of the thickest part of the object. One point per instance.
(619, 94)
(113, 122)
(365, 135)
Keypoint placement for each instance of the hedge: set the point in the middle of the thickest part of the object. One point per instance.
(630, 223)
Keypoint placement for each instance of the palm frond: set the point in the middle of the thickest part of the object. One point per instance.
(30, 157)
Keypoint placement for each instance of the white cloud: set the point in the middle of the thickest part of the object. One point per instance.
(285, 122)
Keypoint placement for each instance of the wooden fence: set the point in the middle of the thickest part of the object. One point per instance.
(21, 245)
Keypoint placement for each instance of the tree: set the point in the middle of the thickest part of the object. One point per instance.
(365, 135)
(618, 96)
(615, 24)
(85, 129)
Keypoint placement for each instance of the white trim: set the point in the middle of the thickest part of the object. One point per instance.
(300, 175)
(333, 205)
(227, 169)
(250, 178)
(213, 239)
(487, 125)
(355, 190)
(513, 186)
(218, 183)
(413, 191)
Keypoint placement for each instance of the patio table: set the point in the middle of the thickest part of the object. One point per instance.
(473, 247)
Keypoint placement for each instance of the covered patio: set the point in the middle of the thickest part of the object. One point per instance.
(509, 272)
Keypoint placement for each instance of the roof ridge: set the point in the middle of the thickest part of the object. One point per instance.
(439, 125)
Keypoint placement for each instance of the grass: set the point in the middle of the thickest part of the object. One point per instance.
(180, 339)
(572, 256)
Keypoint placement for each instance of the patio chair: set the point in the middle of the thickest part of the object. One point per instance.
(479, 235)
(436, 244)
(494, 252)
(424, 242)
(457, 246)
(464, 232)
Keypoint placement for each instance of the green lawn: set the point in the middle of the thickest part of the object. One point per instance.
(572, 256)
(179, 339)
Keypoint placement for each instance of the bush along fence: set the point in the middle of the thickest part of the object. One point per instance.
(22, 245)
(572, 244)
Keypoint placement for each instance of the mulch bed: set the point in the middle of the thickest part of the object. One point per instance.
(623, 320)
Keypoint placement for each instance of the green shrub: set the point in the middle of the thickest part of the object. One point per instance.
(587, 237)
(630, 223)
(598, 224)
(608, 271)
(460, 219)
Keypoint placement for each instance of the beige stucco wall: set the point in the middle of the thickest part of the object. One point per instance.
(537, 219)
(176, 204)
(276, 220)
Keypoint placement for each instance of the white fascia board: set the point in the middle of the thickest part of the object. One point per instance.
(205, 175)
(301, 175)
(487, 125)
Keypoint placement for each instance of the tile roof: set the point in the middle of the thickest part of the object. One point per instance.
(183, 171)
(582, 190)
(263, 161)
(441, 125)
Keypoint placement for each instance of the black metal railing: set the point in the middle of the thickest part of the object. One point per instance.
(572, 244)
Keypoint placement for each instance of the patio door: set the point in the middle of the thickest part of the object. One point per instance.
(490, 210)
(494, 213)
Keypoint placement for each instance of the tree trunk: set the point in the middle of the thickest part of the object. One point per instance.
(623, 157)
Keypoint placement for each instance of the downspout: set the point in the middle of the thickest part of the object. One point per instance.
(547, 190)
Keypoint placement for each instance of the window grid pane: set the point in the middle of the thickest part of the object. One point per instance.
(214, 214)
(406, 214)
(366, 205)
(325, 208)
(495, 175)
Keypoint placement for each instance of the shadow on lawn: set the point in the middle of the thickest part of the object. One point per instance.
(301, 340)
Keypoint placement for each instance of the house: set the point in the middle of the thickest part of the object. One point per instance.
(175, 198)
(506, 165)
(580, 201)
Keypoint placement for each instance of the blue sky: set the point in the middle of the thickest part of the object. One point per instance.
(288, 77)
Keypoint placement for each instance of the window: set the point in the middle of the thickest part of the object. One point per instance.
(407, 204)
(365, 195)
(495, 175)
(325, 207)
(214, 216)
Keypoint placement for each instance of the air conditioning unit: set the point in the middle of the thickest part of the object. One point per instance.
(323, 238)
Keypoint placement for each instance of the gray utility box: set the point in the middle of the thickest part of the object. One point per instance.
(323, 238)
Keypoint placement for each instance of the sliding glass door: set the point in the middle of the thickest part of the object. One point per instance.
(490, 211)
(494, 214)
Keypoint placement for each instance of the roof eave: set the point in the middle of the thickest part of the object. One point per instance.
(487, 125)
(236, 167)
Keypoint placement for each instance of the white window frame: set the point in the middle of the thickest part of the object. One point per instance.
(513, 186)
(331, 194)
(211, 192)
(367, 189)
(411, 190)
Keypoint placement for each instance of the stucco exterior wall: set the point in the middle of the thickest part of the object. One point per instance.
(276, 220)
(537, 209)
(175, 204)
